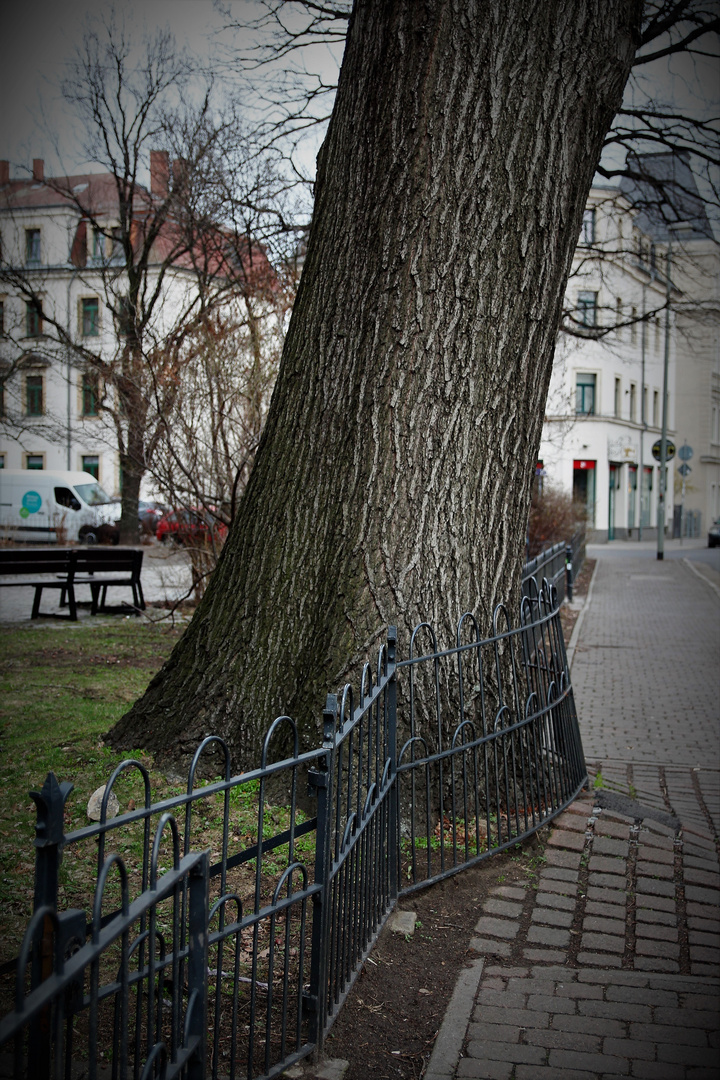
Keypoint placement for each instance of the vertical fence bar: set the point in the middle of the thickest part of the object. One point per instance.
(393, 839)
(320, 779)
(569, 572)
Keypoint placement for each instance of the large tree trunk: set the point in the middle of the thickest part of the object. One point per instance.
(393, 478)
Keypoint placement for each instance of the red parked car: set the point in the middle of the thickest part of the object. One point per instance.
(191, 526)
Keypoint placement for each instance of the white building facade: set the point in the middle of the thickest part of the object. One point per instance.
(624, 354)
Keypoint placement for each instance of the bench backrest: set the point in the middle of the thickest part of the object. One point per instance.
(70, 560)
(97, 560)
(35, 560)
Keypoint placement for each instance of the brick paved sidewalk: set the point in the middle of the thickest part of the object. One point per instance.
(608, 964)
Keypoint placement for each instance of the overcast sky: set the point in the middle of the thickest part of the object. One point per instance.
(40, 35)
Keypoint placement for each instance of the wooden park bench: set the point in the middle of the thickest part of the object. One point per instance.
(69, 567)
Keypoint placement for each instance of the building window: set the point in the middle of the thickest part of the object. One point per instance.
(33, 318)
(90, 393)
(585, 395)
(587, 308)
(91, 464)
(633, 401)
(643, 415)
(32, 247)
(587, 232)
(2, 461)
(33, 395)
(90, 317)
(657, 334)
(633, 326)
(34, 461)
(656, 408)
(619, 318)
(2, 315)
(617, 399)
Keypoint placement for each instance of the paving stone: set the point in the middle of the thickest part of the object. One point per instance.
(688, 1055)
(658, 1070)
(702, 896)
(614, 895)
(701, 863)
(568, 1040)
(504, 998)
(603, 943)
(548, 917)
(704, 969)
(556, 900)
(606, 911)
(592, 1025)
(654, 903)
(619, 978)
(514, 1052)
(506, 1033)
(643, 995)
(703, 911)
(562, 888)
(604, 926)
(502, 928)
(656, 870)
(652, 887)
(657, 933)
(562, 858)
(629, 1048)
(606, 845)
(605, 881)
(607, 959)
(606, 864)
(666, 1033)
(563, 838)
(558, 873)
(653, 854)
(666, 918)
(550, 956)
(655, 963)
(606, 826)
(510, 892)
(705, 953)
(689, 1017)
(502, 907)
(475, 1069)
(616, 1010)
(524, 1018)
(547, 935)
(562, 1007)
(486, 946)
(574, 1059)
(649, 947)
(508, 972)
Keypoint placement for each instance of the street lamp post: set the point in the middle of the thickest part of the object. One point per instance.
(663, 438)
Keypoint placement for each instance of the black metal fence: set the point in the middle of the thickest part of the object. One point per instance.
(559, 564)
(233, 960)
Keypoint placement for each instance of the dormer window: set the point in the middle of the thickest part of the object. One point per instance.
(32, 247)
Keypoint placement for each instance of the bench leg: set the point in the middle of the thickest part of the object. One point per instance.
(71, 603)
(95, 593)
(36, 602)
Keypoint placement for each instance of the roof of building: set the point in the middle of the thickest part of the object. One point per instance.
(664, 189)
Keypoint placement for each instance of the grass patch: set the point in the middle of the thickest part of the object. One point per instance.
(61, 689)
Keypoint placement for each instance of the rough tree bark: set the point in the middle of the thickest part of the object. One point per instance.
(393, 478)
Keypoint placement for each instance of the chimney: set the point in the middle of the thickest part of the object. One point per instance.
(38, 169)
(159, 173)
(4, 172)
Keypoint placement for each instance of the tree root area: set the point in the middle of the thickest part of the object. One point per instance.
(388, 1025)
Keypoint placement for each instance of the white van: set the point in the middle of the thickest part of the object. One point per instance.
(52, 507)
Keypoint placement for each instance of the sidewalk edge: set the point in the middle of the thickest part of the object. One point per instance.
(572, 645)
(703, 577)
(448, 1045)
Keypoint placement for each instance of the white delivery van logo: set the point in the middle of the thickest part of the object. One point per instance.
(31, 503)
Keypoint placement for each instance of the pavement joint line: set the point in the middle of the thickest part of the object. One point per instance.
(698, 573)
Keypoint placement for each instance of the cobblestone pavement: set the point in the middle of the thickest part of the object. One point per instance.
(608, 963)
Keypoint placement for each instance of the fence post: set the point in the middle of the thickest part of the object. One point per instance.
(49, 841)
(321, 781)
(393, 815)
(197, 970)
(569, 571)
